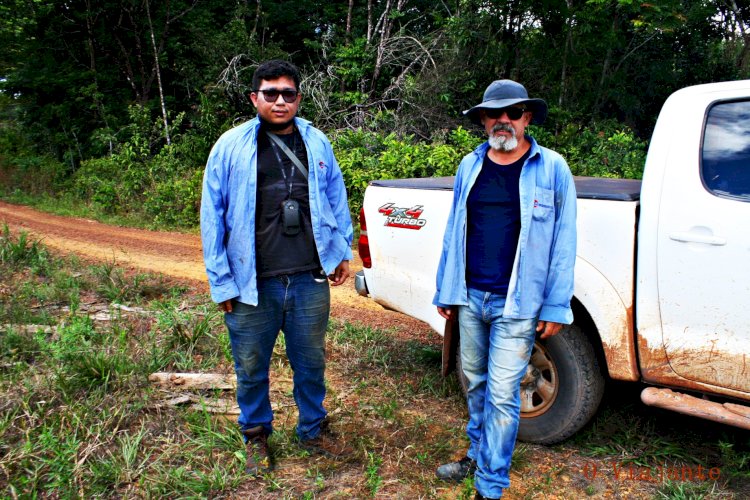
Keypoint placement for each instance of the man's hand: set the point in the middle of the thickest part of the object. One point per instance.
(548, 328)
(445, 312)
(341, 273)
(226, 306)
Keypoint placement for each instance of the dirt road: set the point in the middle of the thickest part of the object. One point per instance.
(174, 254)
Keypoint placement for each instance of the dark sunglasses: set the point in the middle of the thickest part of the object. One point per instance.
(271, 95)
(512, 112)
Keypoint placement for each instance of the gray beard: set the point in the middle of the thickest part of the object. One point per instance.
(502, 143)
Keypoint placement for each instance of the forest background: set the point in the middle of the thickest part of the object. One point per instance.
(110, 107)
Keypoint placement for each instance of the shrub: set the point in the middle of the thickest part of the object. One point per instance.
(98, 182)
(164, 186)
(605, 149)
(365, 156)
(173, 195)
(602, 149)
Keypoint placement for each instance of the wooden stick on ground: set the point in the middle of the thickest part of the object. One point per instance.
(168, 380)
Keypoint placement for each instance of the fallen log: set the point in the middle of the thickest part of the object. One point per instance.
(47, 329)
(168, 380)
(220, 406)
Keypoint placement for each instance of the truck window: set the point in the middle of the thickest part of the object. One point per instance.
(725, 158)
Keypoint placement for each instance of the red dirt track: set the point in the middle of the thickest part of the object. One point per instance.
(173, 254)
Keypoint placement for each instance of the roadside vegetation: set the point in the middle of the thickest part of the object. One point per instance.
(79, 418)
(135, 187)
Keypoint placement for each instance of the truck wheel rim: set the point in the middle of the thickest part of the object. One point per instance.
(540, 384)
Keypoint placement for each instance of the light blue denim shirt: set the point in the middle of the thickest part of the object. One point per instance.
(541, 283)
(228, 209)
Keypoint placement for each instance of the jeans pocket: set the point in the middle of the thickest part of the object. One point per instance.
(521, 329)
(238, 308)
(319, 276)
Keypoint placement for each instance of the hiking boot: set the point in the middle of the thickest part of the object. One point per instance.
(325, 443)
(258, 453)
(457, 471)
(479, 496)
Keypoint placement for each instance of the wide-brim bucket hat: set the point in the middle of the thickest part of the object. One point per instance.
(504, 93)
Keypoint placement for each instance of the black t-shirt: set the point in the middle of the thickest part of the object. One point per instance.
(493, 225)
(278, 180)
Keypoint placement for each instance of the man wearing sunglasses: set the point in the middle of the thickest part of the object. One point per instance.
(275, 227)
(506, 272)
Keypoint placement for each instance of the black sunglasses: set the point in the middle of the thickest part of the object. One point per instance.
(271, 95)
(512, 112)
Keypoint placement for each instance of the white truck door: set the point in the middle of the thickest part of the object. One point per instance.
(703, 245)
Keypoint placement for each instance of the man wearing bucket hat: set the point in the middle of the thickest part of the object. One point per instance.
(506, 272)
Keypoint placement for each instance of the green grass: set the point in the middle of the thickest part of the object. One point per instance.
(374, 480)
(680, 490)
(78, 417)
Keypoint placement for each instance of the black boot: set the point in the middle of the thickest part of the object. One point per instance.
(457, 471)
(479, 496)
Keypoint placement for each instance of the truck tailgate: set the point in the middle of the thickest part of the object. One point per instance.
(408, 226)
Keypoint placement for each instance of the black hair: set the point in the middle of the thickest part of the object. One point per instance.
(274, 69)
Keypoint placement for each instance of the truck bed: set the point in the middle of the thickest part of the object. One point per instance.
(593, 188)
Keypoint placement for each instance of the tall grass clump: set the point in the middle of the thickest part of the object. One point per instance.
(19, 251)
(113, 283)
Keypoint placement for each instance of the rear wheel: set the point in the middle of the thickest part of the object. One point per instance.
(561, 390)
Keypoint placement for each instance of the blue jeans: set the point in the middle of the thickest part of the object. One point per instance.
(494, 354)
(297, 304)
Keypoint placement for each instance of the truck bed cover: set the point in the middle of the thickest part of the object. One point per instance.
(598, 188)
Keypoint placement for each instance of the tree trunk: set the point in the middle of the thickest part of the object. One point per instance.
(605, 70)
(566, 49)
(92, 65)
(158, 74)
(369, 21)
(257, 18)
(382, 23)
(743, 59)
(349, 22)
(386, 26)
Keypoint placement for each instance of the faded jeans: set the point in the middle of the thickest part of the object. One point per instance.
(297, 304)
(494, 354)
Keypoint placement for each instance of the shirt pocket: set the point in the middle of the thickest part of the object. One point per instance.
(544, 204)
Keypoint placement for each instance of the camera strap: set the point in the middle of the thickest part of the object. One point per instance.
(276, 142)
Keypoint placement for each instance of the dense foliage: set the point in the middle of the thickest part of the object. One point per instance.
(117, 103)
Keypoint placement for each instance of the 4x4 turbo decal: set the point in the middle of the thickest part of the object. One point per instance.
(408, 218)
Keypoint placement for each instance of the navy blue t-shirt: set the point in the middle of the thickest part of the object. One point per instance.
(493, 225)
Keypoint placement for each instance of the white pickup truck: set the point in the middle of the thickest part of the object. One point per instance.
(662, 276)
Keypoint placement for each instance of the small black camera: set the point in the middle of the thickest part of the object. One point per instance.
(290, 217)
